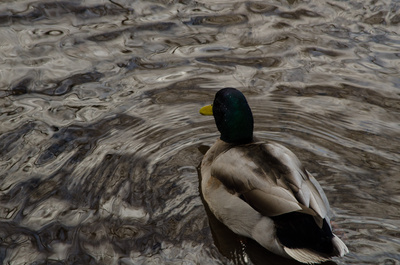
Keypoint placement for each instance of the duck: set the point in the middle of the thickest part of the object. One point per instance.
(261, 190)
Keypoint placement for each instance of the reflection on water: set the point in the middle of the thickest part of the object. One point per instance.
(100, 137)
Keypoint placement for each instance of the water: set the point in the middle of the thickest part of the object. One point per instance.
(101, 138)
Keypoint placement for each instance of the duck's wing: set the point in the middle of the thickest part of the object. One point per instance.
(305, 187)
(271, 179)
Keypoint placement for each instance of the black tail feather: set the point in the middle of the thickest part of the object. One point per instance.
(299, 230)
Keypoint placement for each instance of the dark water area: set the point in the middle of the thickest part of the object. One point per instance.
(101, 139)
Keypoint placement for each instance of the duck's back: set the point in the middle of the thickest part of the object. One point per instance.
(271, 178)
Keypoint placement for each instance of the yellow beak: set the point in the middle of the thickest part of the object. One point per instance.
(206, 110)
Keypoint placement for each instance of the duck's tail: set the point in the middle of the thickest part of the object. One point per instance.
(340, 247)
(305, 255)
(308, 256)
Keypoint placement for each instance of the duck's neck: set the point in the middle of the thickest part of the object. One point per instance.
(237, 130)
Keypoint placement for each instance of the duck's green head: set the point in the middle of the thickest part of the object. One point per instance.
(232, 116)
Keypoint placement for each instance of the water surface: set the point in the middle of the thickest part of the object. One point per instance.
(100, 136)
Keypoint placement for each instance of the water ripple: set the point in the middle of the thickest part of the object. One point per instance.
(100, 136)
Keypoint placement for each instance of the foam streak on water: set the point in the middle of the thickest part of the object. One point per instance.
(100, 136)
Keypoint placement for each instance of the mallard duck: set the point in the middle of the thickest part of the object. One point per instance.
(260, 190)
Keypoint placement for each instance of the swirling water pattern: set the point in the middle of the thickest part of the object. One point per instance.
(100, 136)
